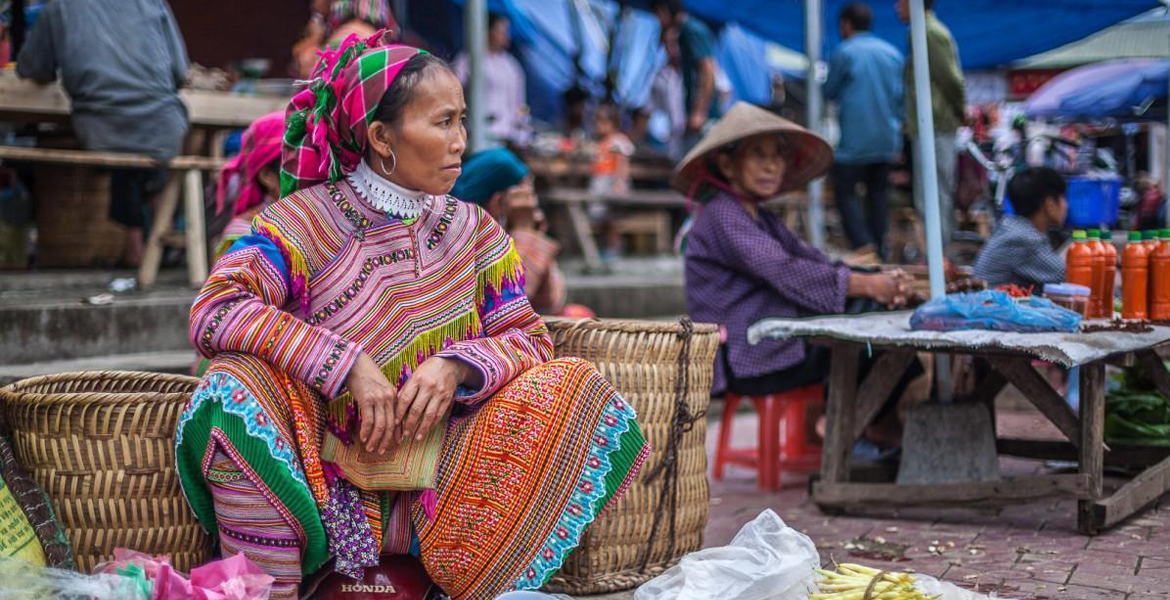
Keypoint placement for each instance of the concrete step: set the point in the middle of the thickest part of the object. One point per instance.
(629, 296)
(94, 280)
(49, 317)
(64, 327)
(176, 361)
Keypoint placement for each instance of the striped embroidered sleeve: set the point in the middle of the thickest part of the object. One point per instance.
(515, 338)
(239, 310)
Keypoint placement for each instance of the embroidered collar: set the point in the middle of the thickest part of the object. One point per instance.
(385, 195)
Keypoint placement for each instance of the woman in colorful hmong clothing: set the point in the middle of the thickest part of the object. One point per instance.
(252, 177)
(365, 303)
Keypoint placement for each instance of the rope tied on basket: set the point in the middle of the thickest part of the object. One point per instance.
(681, 423)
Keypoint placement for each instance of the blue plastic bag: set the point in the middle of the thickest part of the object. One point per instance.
(993, 310)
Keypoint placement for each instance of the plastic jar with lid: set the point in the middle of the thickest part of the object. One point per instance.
(1069, 295)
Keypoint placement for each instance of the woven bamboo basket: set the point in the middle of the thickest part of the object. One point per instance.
(101, 443)
(654, 366)
(73, 227)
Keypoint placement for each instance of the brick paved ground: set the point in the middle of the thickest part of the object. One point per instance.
(1026, 552)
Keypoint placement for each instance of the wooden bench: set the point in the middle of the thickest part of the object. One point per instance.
(190, 167)
(654, 220)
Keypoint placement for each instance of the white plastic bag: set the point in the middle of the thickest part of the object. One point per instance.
(22, 581)
(767, 560)
(943, 590)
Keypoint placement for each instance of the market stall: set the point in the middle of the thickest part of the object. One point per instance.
(853, 404)
(212, 116)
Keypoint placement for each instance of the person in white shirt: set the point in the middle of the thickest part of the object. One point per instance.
(664, 116)
(505, 99)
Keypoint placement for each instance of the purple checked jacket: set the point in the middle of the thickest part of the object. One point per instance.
(740, 270)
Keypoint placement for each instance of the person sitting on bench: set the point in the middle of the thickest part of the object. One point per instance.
(122, 63)
(499, 182)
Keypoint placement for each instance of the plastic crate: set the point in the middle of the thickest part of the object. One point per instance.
(1092, 201)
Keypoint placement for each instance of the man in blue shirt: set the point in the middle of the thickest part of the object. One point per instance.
(865, 80)
(697, 52)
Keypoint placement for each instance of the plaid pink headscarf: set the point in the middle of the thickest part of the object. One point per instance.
(260, 146)
(328, 121)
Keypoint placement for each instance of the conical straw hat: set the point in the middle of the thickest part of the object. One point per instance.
(807, 154)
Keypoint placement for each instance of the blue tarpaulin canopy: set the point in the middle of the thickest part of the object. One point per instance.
(987, 32)
(1137, 95)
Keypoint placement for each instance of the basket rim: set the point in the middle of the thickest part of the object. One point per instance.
(628, 325)
(15, 391)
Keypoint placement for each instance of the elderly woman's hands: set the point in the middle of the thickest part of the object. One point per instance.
(376, 399)
(890, 288)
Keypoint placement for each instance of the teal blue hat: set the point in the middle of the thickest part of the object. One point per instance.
(488, 172)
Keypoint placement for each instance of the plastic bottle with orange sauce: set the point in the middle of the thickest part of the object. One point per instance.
(1097, 295)
(1109, 278)
(1160, 278)
(1078, 263)
(1135, 277)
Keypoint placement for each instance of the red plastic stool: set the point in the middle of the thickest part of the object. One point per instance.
(782, 446)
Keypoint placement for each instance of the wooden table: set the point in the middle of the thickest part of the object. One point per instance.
(26, 100)
(852, 405)
(212, 116)
(574, 201)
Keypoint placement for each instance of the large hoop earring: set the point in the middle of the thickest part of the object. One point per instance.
(394, 163)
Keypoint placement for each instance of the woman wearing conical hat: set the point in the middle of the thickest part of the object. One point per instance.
(743, 264)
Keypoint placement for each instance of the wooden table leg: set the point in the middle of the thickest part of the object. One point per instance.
(877, 386)
(584, 234)
(1092, 444)
(839, 413)
(1148, 486)
(1021, 373)
(164, 214)
(196, 230)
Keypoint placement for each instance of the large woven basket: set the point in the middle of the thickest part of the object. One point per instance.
(651, 364)
(73, 229)
(101, 444)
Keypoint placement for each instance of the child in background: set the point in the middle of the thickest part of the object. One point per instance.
(611, 174)
(611, 167)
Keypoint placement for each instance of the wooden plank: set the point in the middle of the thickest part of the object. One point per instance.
(1156, 369)
(990, 493)
(1092, 443)
(164, 213)
(1115, 456)
(205, 108)
(209, 108)
(639, 198)
(877, 386)
(1133, 496)
(987, 390)
(584, 234)
(195, 229)
(839, 412)
(106, 159)
(578, 166)
(1040, 393)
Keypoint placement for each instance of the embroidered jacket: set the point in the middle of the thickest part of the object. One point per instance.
(324, 276)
